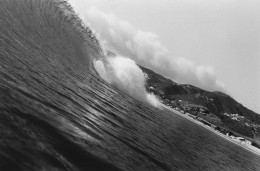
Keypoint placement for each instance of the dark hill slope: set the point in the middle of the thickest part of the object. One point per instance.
(218, 103)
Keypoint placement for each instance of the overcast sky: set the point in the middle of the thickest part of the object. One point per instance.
(219, 40)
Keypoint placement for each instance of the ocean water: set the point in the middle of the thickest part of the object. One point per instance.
(56, 113)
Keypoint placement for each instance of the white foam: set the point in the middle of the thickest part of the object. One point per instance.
(124, 74)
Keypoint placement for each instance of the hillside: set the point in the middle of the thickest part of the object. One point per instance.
(216, 107)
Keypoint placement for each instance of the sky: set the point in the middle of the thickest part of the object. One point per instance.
(212, 44)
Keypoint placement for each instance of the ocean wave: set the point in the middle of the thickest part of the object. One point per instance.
(57, 113)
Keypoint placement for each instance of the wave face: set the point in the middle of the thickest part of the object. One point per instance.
(56, 113)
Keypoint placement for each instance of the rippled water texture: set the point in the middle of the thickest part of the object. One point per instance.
(56, 113)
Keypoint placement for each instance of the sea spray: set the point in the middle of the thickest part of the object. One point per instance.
(124, 74)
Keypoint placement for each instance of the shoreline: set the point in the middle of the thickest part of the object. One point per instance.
(247, 147)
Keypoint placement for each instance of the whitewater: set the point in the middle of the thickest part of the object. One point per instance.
(66, 105)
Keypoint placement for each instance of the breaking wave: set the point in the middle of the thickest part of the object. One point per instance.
(126, 75)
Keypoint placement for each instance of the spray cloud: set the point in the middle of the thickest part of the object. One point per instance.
(124, 74)
(146, 49)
